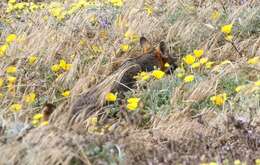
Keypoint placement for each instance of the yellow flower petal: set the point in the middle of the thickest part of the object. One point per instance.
(198, 53)
(45, 123)
(132, 106)
(10, 38)
(167, 65)
(117, 3)
(148, 10)
(209, 64)
(257, 83)
(215, 15)
(239, 88)
(16, 107)
(158, 74)
(189, 59)
(189, 78)
(35, 123)
(219, 99)
(11, 79)
(1, 82)
(195, 65)
(111, 97)
(38, 116)
(32, 59)
(3, 49)
(143, 76)
(133, 100)
(225, 62)
(203, 61)
(92, 121)
(227, 28)
(229, 37)
(254, 60)
(55, 68)
(30, 98)
(66, 93)
(124, 47)
(11, 69)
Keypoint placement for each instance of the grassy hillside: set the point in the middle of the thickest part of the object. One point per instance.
(207, 111)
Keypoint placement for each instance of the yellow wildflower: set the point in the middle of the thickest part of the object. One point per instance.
(188, 78)
(124, 47)
(215, 15)
(167, 65)
(257, 83)
(45, 123)
(11, 69)
(111, 97)
(219, 99)
(189, 59)
(16, 107)
(117, 3)
(158, 74)
(254, 60)
(1, 82)
(62, 64)
(65, 66)
(38, 116)
(257, 162)
(132, 103)
(229, 37)
(55, 68)
(225, 62)
(142, 76)
(11, 88)
(148, 10)
(209, 64)
(96, 49)
(237, 162)
(45, 18)
(131, 36)
(92, 120)
(198, 53)
(239, 88)
(11, 79)
(227, 28)
(66, 93)
(179, 75)
(35, 123)
(195, 65)
(3, 49)
(203, 61)
(12, 1)
(32, 59)
(30, 98)
(213, 163)
(10, 38)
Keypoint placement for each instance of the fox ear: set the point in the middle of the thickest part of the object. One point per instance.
(145, 44)
(163, 48)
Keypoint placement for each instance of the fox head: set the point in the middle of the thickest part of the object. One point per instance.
(159, 55)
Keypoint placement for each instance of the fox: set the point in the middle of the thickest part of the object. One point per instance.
(146, 62)
(122, 79)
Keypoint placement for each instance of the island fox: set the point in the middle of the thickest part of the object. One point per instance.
(150, 59)
(122, 79)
